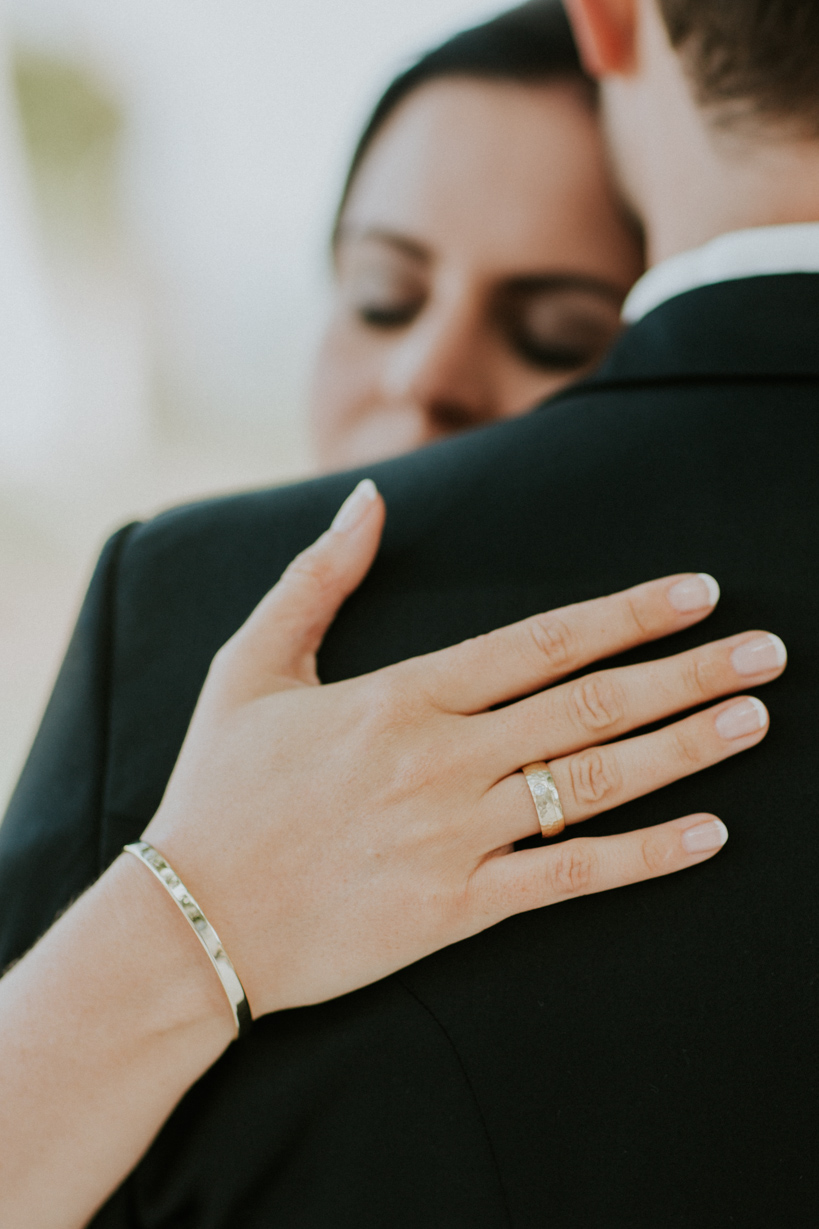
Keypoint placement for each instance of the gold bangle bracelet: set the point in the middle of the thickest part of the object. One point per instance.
(205, 933)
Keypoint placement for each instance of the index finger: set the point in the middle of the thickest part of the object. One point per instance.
(527, 656)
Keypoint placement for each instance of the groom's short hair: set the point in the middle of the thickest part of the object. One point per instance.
(750, 58)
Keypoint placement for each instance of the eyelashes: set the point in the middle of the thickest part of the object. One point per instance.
(388, 316)
(557, 324)
(551, 357)
(550, 330)
(570, 338)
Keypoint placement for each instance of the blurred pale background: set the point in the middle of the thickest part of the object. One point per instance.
(168, 171)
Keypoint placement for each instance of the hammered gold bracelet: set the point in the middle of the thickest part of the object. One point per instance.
(205, 933)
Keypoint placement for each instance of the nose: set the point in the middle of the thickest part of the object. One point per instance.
(442, 368)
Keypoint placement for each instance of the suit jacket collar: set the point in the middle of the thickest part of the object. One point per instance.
(752, 252)
(755, 328)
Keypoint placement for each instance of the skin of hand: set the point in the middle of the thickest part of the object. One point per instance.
(335, 834)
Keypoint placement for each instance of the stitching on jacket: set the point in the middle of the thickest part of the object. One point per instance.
(470, 1086)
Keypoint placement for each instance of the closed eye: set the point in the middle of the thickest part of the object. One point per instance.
(558, 324)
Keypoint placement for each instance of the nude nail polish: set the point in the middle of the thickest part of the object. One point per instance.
(747, 716)
(699, 592)
(759, 656)
(355, 506)
(705, 837)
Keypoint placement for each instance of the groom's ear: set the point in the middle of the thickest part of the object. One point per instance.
(606, 33)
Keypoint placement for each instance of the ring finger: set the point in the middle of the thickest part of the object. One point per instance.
(601, 778)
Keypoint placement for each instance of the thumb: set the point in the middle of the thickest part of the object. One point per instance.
(281, 638)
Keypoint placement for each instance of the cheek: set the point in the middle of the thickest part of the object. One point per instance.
(346, 378)
(353, 421)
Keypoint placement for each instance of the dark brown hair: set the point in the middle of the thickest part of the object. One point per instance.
(530, 44)
(750, 58)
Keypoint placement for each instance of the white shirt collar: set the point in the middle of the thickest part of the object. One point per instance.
(742, 253)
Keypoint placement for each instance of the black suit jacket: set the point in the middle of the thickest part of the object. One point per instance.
(645, 1058)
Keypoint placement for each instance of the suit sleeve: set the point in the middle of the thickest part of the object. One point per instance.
(50, 837)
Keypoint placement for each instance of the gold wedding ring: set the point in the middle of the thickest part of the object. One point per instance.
(545, 797)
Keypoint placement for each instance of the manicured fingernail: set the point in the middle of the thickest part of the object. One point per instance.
(355, 507)
(748, 716)
(760, 655)
(699, 592)
(705, 837)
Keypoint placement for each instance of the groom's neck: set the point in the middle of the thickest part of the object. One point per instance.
(692, 175)
(691, 200)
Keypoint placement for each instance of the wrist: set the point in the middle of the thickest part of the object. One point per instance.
(209, 940)
(104, 1026)
(160, 956)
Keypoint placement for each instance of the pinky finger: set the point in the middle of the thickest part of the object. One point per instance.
(533, 878)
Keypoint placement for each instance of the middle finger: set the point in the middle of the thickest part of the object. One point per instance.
(608, 703)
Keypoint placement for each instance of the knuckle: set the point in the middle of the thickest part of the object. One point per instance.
(643, 624)
(699, 677)
(595, 779)
(596, 702)
(654, 855)
(573, 868)
(554, 641)
(386, 696)
(687, 746)
(389, 705)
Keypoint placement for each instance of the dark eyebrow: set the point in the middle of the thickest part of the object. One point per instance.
(410, 247)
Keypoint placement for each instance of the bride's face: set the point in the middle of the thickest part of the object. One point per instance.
(481, 264)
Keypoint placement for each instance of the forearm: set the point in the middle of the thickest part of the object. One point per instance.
(104, 1026)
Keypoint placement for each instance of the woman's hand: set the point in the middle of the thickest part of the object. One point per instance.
(335, 834)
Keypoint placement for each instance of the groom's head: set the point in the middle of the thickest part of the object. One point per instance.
(722, 91)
